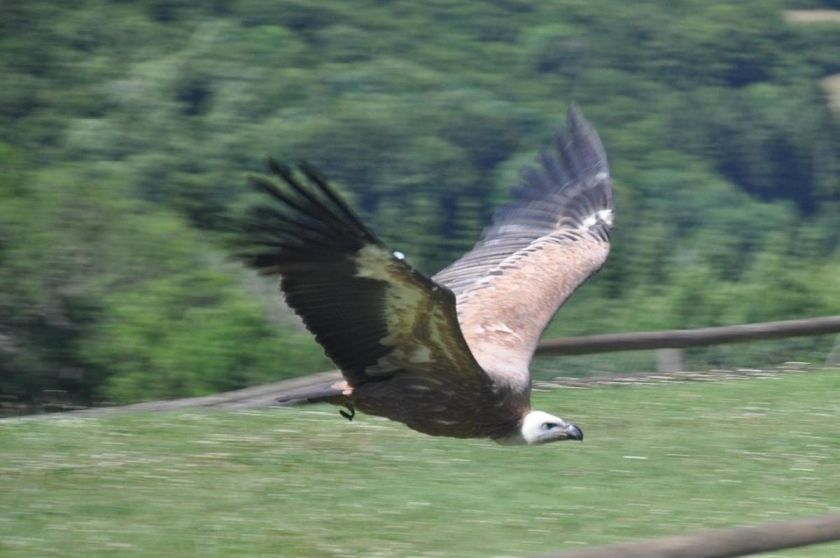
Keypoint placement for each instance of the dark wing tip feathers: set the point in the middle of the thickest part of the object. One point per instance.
(568, 188)
(277, 167)
(577, 150)
(587, 151)
(306, 222)
(304, 232)
(571, 179)
(311, 216)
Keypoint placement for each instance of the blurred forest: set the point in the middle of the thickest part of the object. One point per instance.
(128, 127)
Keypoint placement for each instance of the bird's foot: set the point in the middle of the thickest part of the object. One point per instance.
(349, 413)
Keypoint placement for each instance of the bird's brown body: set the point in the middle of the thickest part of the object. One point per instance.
(424, 406)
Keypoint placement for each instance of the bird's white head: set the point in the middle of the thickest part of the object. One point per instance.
(540, 428)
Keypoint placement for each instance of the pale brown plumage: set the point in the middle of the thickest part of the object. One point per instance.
(448, 355)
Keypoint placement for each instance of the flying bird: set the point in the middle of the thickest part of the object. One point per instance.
(447, 355)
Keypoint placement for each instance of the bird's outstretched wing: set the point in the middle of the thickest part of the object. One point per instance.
(536, 253)
(372, 312)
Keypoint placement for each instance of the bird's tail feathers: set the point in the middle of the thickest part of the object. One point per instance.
(324, 392)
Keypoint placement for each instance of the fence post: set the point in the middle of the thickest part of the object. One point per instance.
(670, 360)
(834, 355)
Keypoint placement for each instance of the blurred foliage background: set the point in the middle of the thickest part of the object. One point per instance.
(127, 128)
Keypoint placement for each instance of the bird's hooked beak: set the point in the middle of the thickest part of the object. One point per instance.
(573, 432)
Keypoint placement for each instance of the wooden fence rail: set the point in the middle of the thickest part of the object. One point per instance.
(268, 394)
(683, 338)
(723, 543)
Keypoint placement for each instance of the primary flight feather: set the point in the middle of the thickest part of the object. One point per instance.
(447, 355)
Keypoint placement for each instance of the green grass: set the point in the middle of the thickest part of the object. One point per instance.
(658, 459)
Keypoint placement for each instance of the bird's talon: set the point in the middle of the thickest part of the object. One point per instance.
(348, 415)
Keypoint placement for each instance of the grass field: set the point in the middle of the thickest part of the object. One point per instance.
(658, 459)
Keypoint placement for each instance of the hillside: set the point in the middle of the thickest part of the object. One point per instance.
(123, 144)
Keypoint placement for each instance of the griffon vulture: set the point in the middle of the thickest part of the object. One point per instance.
(447, 355)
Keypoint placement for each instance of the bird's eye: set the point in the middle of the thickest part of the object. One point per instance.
(550, 425)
